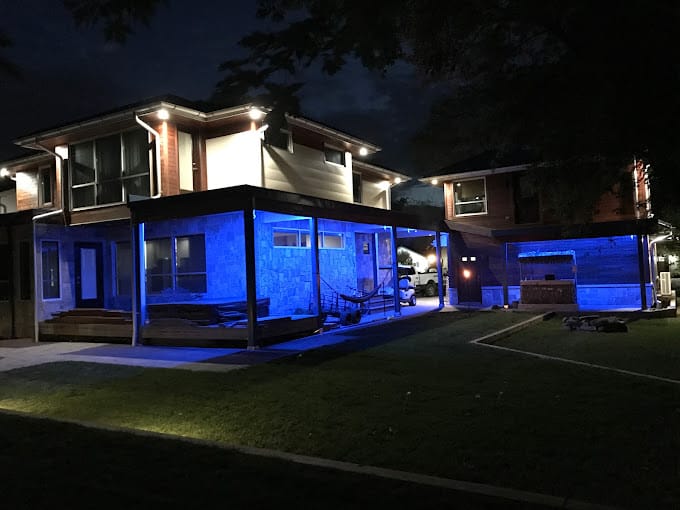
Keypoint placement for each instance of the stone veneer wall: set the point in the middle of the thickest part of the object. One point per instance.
(224, 252)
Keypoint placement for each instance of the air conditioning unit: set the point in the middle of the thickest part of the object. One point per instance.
(665, 283)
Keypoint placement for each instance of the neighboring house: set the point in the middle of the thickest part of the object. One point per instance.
(505, 249)
(160, 222)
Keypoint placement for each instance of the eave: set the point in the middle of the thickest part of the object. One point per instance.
(544, 232)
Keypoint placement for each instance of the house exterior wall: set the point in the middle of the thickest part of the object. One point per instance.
(224, 250)
(19, 239)
(27, 189)
(305, 171)
(8, 201)
(606, 269)
(233, 160)
(105, 236)
(615, 205)
(374, 194)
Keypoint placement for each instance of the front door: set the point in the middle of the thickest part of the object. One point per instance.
(89, 277)
(469, 280)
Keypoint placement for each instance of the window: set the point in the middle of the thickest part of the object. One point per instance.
(470, 197)
(291, 238)
(334, 156)
(281, 138)
(123, 269)
(5, 264)
(176, 264)
(25, 265)
(50, 270)
(331, 240)
(356, 187)
(185, 149)
(108, 170)
(45, 186)
(299, 238)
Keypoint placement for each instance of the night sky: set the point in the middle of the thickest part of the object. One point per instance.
(69, 73)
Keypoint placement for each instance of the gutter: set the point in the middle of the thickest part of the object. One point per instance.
(157, 138)
(36, 286)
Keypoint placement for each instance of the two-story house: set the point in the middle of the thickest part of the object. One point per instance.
(160, 222)
(506, 249)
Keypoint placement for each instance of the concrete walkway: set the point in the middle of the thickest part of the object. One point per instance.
(21, 353)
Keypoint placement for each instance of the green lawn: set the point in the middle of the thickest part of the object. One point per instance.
(650, 346)
(426, 402)
(76, 467)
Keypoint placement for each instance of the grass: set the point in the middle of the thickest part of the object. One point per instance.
(426, 402)
(77, 467)
(650, 346)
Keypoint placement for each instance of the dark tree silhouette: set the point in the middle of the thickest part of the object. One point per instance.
(584, 86)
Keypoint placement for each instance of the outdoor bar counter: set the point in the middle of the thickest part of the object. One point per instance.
(544, 292)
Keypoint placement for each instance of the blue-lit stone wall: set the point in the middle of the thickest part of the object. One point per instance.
(338, 267)
(606, 269)
(224, 252)
(283, 274)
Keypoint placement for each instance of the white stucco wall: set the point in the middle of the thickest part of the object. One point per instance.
(234, 160)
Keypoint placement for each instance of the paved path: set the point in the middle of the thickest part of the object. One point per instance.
(24, 352)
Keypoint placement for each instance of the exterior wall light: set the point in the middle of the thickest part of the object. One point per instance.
(255, 113)
(4, 173)
(397, 180)
(467, 274)
(163, 114)
(363, 151)
(434, 182)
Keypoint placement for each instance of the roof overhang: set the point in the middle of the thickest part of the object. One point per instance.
(544, 232)
(333, 136)
(126, 118)
(461, 176)
(384, 173)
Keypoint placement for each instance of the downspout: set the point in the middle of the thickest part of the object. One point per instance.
(157, 137)
(36, 285)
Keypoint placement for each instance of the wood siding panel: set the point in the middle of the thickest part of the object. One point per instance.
(27, 190)
(500, 204)
(306, 172)
(169, 159)
(373, 194)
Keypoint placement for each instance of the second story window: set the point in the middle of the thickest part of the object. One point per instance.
(334, 156)
(108, 170)
(356, 187)
(45, 186)
(470, 197)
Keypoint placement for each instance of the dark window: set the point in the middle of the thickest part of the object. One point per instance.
(527, 208)
(334, 156)
(45, 186)
(176, 264)
(123, 269)
(190, 274)
(25, 266)
(5, 264)
(50, 270)
(356, 187)
(280, 138)
(158, 265)
(108, 170)
(470, 197)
